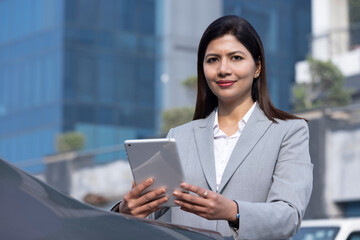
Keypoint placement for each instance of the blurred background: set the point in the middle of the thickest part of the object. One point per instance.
(78, 77)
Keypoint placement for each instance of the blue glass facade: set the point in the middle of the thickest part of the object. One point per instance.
(283, 26)
(83, 65)
(352, 209)
(30, 77)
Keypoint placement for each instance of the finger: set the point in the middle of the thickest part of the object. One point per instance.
(150, 196)
(191, 207)
(138, 189)
(145, 214)
(203, 215)
(133, 184)
(188, 210)
(150, 207)
(190, 198)
(195, 189)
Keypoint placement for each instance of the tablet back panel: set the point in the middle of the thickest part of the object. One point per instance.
(156, 158)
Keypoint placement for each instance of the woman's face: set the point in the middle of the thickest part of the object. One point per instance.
(230, 69)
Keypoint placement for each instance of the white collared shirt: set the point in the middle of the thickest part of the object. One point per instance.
(224, 145)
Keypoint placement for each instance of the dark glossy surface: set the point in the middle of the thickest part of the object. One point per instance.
(30, 209)
(328, 233)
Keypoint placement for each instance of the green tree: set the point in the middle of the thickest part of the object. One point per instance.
(300, 99)
(325, 89)
(176, 116)
(70, 141)
(190, 82)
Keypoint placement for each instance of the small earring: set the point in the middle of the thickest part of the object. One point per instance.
(257, 75)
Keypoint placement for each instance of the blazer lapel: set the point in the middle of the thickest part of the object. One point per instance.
(205, 146)
(255, 128)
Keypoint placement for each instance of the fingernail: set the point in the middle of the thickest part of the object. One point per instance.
(175, 193)
(150, 180)
(177, 202)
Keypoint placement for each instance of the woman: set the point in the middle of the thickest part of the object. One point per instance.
(246, 163)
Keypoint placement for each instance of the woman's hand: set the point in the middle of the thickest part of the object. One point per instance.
(142, 206)
(207, 204)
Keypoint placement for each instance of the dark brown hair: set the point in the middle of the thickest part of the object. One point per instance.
(246, 34)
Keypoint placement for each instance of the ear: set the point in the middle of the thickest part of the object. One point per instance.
(258, 69)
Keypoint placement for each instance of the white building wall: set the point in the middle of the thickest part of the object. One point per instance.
(330, 22)
(348, 63)
(330, 35)
(344, 156)
(320, 26)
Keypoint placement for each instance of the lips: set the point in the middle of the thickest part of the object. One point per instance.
(225, 83)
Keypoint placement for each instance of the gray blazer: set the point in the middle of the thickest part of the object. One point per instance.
(269, 175)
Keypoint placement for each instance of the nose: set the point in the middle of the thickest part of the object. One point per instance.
(224, 68)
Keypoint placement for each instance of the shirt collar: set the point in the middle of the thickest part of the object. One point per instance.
(241, 123)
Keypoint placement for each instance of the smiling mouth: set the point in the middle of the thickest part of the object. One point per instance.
(225, 83)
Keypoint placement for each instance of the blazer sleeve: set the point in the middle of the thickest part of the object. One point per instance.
(280, 216)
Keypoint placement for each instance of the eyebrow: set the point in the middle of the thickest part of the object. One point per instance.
(229, 54)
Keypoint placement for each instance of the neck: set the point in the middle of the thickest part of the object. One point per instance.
(230, 114)
(234, 111)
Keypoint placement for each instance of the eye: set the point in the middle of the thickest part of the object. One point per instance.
(211, 60)
(236, 58)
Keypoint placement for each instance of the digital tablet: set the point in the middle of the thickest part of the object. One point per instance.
(159, 159)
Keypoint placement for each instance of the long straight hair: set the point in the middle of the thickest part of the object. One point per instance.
(206, 100)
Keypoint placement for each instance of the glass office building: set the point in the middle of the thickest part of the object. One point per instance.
(284, 27)
(94, 66)
(86, 65)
